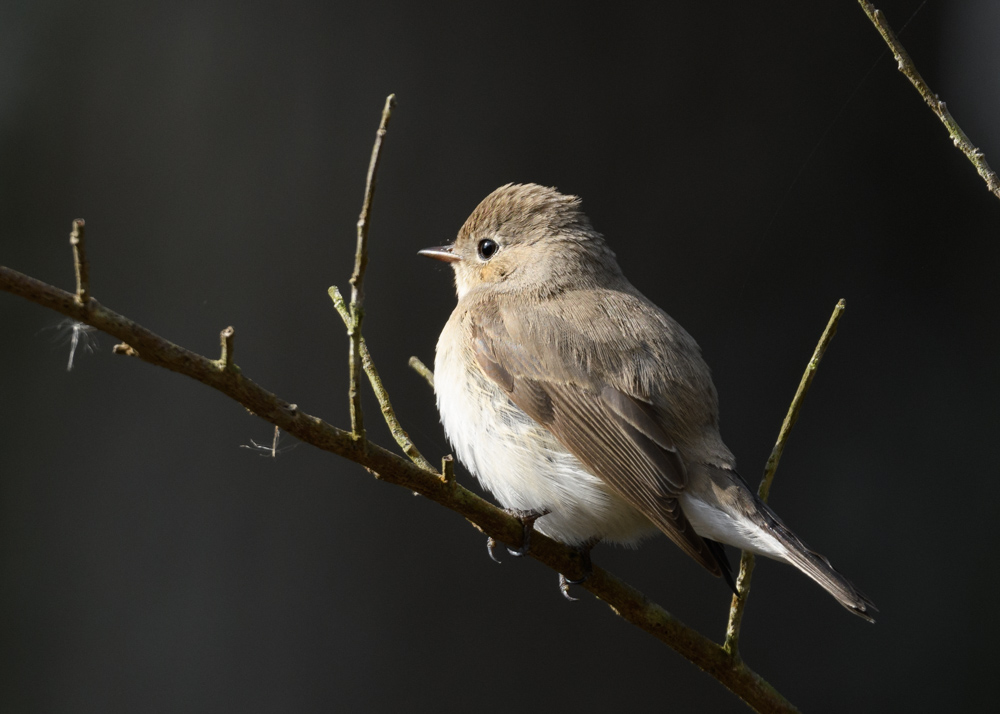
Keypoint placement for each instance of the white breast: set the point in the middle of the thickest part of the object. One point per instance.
(518, 460)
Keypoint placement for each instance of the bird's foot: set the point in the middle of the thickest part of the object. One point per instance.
(527, 519)
(585, 566)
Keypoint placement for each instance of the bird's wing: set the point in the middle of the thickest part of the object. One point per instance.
(619, 436)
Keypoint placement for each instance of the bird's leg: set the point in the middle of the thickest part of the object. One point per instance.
(527, 519)
(585, 565)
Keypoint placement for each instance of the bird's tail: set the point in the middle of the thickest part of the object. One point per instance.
(817, 567)
(721, 507)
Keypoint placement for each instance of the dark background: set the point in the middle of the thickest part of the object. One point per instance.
(750, 163)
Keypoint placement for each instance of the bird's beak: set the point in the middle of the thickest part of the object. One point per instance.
(442, 252)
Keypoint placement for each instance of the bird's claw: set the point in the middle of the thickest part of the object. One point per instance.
(585, 565)
(491, 543)
(525, 540)
(564, 584)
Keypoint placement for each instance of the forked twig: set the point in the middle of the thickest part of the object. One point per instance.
(398, 433)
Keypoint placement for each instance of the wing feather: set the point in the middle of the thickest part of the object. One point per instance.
(617, 436)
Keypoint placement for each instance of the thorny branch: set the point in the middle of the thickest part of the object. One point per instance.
(906, 66)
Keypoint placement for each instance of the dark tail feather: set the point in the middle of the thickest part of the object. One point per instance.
(725, 566)
(754, 526)
(818, 568)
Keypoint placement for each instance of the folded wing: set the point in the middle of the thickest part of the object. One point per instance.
(616, 435)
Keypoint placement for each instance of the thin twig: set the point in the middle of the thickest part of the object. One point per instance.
(906, 66)
(423, 370)
(80, 263)
(398, 433)
(747, 560)
(800, 395)
(358, 276)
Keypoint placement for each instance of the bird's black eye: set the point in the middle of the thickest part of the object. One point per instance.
(487, 248)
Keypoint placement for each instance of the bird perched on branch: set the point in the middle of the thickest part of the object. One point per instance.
(585, 408)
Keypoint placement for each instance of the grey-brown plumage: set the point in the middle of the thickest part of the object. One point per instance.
(563, 389)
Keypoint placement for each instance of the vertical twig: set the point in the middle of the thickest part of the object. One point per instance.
(82, 267)
(906, 66)
(731, 645)
(357, 277)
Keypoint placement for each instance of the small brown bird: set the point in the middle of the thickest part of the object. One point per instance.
(576, 400)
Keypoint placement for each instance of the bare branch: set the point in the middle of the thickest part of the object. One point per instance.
(623, 599)
(76, 239)
(906, 66)
(398, 433)
(358, 276)
(747, 560)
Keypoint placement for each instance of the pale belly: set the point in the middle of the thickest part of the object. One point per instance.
(523, 465)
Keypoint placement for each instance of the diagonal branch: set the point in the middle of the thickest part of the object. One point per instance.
(747, 560)
(906, 66)
(623, 599)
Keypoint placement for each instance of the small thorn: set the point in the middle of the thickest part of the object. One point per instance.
(448, 470)
(124, 348)
(226, 337)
